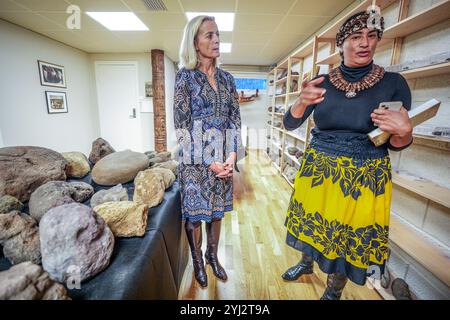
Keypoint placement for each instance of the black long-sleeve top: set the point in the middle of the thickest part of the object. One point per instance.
(338, 113)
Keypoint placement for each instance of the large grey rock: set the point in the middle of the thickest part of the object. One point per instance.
(100, 148)
(119, 167)
(167, 175)
(114, 194)
(74, 236)
(9, 203)
(78, 165)
(19, 237)
(124, 218)
(172, 165)
(28, 281)
(56, 193)
(24, 169)
(151, 154)
(149, 188)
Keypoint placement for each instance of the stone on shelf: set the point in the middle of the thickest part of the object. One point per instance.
(172, 165)
(119, 167)
(9, 203)
(19, 236)
(149, 188)
(28, 281)
(74, 238)
(78, 165)
(114, 194)
(292, 150)
(24, 169)
(100, 149)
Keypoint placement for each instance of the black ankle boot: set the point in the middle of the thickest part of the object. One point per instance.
(305, 266)
(194, 236)
(335, 286)
(213, 235)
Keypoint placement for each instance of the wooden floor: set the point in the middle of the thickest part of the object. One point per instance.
(252, 245)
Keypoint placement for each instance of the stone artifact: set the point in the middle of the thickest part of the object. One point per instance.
(119, 167)
(277, 124)
(74, 240)
(124, 218)
(116, 193)
(160, 157)
(57, 193)
(19, 237)
(78, 165)
(172, 165)
(400, 290)
(299, 154)
(151, 154)
(9, 203)
(24, 169)
(292, 150)
(167, 175)
(149, 188)
(100, 148)
(28, 281)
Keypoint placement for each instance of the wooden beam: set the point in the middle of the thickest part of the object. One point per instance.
(159, 100)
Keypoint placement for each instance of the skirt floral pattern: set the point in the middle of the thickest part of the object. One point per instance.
(340, 207)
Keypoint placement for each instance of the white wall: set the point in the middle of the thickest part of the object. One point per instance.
(23, 110)
(144, 74)
(169, 76)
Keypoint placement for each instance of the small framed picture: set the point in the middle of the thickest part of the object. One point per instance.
(56, 102)
(52, 75)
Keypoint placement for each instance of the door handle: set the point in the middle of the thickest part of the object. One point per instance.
(133, 115)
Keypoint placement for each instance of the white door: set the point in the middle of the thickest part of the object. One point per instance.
(117, 97)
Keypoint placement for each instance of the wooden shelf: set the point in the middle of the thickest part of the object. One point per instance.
(428, 71)
(293, 135)
(281, 80)
(278, 114)
(292, 158)
(277, 167)
(287, 180)
(430, 255)
(432, 142)
(280, 95)
(276, 146)
(330, 33)
(422, 187)
(283, 64)
(290, 94)
(278, 129)
(424, 19)
(331, 59)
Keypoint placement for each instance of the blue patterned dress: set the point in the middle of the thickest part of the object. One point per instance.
(207, 124)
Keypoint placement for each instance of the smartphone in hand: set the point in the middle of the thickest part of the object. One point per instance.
(391, 105)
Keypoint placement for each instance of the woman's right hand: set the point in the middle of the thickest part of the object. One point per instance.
(219, 169)
(310, 94)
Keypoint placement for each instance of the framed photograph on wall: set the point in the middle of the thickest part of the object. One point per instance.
(56, 102)
(52, 75)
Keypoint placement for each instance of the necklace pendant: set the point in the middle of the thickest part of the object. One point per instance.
(350, 94)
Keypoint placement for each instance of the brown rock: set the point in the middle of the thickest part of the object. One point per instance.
(23, 169)
(166, 174)
(172, 165)
(19, 237)
(119, 167)
(149, 188)
(124, 218)
(100, 148)
(28, 281)
(78, 165)
(9, 203)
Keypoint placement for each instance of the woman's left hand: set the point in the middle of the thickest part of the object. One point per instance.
(396, 123)
(228, 166)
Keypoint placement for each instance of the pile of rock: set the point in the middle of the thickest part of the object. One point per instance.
(69, 238)
(290, 172)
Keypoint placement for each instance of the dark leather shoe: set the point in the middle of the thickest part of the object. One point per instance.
(217, 269)
(305, 266)
(335, 286)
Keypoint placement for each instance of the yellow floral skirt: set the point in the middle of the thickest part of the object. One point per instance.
(340, 207)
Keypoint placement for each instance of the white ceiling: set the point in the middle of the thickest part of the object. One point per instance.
(264, 30)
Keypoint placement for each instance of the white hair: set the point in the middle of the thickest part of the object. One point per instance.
(188, 53)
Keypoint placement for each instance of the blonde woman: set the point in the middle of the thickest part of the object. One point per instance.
(207, 123)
